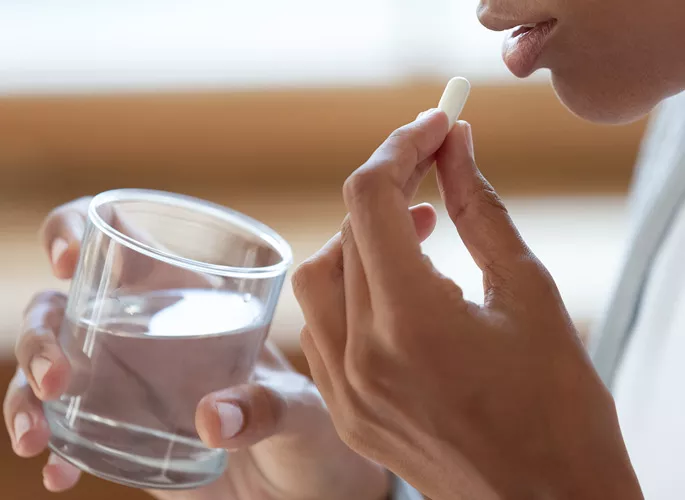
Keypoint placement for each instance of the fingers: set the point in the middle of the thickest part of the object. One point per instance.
(317, 368)
(242, 416)
(29, 433)
(61, 235)
(408, 147)
(59, 475)
(360, 316)
(26, 425)
(43, 373)
(375, 196)
(318, 287)
(425, 218)
(473, 205)
(37, 349)
(357, 298)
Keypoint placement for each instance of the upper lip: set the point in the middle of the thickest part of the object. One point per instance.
(496, 22)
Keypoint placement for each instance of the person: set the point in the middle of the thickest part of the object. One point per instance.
(499, 400)
(462, 400)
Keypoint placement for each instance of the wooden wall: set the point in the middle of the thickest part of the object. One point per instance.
(68, 145)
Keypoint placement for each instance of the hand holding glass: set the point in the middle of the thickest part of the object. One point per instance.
(172, 300)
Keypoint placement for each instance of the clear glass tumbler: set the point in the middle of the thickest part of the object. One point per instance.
(172, 300)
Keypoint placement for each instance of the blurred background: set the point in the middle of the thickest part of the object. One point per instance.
(266, 106)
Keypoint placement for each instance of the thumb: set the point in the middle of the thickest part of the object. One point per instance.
(425, 218)
(242, 416)
(477, 211)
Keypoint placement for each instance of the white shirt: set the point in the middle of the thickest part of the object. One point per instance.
(640, 347)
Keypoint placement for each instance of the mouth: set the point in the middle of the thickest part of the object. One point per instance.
(523, 29)
(524, 45)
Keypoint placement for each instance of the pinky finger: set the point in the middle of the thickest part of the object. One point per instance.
(59, 475)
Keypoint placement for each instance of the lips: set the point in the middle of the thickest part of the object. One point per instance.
(524, 46)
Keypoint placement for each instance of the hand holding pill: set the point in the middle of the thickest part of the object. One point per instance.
(385, 335)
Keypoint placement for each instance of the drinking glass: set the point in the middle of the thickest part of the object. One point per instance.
(172, 300)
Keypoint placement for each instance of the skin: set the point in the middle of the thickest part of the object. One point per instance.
(611, 60)
(284, 446)
(481, 401)
(467, 401)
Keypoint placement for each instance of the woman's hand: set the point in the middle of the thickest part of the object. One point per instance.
(462, 400)
(283, 442)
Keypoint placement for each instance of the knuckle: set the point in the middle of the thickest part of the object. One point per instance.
(402, 137)
(50, 299)
(57, 215)
(319, 272)
(31, 342)
(18, 396)
(536, 277)
(78, 206)
(356, 431)
(303, 277)
(481, 198)
(81, 204)
(362, 184)
(403, 145)
(486, 195)
(306, 339)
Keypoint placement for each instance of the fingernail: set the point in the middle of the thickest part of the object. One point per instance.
(39, 367)
(22, 424)
(47, 483)
(231, 417)
(425, 114)
(59, 247)
(47, 479)
(469, 138)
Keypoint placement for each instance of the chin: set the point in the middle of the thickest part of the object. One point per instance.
(605, 102)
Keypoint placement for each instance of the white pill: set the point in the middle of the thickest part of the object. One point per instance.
(454, 98)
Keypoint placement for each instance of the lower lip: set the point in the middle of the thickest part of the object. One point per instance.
(522, 48)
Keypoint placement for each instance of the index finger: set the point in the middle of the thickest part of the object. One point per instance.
(379, 209)
(61, 235)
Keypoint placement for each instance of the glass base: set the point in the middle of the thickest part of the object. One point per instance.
(113, 461)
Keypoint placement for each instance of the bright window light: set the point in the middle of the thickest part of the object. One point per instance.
(91, 45)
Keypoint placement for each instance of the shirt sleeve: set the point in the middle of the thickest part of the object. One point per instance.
(402, 491)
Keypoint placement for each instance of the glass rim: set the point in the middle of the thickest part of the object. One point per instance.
(261, 231)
